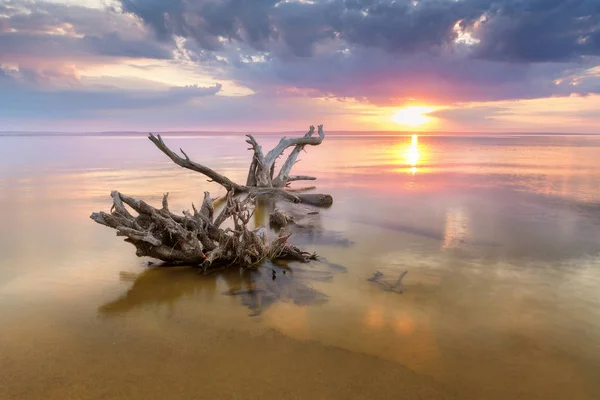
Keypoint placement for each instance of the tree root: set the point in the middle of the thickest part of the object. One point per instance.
(197, 239)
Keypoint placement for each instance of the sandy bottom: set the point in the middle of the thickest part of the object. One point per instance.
(207, 363)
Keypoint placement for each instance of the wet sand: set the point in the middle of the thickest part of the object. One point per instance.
(204, 363)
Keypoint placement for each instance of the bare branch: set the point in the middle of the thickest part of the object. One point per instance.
(226, 212)
(187, 163)
(302, 189)
(292, 178)
(118, 204)
(308, 139)
(185, 155)
(138, 235)
(285, 142)
(258, 153)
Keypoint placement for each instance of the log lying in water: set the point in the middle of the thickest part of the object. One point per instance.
(197, 238)
(262, 179)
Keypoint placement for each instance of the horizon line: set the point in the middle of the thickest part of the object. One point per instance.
(334, 132)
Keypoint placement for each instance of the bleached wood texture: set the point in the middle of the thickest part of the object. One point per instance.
(261, 179)
(194, 239)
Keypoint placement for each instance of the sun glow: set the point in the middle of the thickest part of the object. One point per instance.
(413, 151)
(412, 154)
(413, 116)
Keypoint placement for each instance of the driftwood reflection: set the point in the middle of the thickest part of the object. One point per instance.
(274, 283)
(257, 289)
(161, 286)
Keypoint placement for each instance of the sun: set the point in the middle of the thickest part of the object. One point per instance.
(412, 116)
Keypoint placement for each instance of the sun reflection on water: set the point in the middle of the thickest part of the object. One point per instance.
(412, 155)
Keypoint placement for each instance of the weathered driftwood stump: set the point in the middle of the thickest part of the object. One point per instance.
(262, 179)
(197, 238)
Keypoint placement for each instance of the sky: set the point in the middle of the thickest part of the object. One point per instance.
(268, 65)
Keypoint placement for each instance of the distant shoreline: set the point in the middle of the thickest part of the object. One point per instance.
(330, 133)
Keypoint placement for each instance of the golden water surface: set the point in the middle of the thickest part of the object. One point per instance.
(500, 237)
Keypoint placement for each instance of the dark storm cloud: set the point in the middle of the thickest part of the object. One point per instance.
(113, 44)
(22, 45)
(164, 16)
(404, 26)
(540, 30)
(207, 21)
(393, 25)
(509, 30)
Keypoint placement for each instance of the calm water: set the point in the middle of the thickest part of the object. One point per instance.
(500, 237)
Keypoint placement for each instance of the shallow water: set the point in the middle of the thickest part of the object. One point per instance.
(500, 236)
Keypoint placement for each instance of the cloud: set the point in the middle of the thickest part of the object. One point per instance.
(81, 112)
(470, 115)
(29, 100)
(386, 51)
(22, 47)
(113, 45)
(510, 30)
(576, 114)
(38, 32)
(385, 79)
(539, 31)
(22, 94)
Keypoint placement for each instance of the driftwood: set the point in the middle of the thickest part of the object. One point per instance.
(262, 179)
(279, 219)
(388, 286)
(197, 238)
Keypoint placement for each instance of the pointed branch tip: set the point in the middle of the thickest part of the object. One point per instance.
(185, 155)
